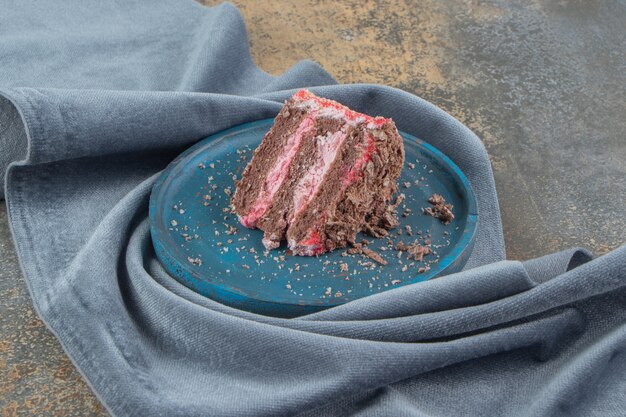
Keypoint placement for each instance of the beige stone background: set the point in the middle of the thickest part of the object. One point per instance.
(541, 82)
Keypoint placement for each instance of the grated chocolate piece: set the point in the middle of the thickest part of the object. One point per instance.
(440, 209)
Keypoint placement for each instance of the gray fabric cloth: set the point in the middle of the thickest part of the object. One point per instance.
(99, 96)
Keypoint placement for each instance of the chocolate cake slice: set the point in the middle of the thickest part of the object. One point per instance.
(322, 174)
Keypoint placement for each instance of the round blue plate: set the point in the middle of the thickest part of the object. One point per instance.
(202, 245)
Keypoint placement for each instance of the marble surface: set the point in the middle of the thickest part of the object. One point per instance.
(541, 82)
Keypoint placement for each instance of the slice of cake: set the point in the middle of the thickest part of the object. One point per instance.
(322, 174)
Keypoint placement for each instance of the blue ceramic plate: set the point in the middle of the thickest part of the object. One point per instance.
(202, 245)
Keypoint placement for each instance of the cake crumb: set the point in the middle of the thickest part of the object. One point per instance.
(343, 267)
(212, 165)
(174, 223)
(201, 165)
(409, 230)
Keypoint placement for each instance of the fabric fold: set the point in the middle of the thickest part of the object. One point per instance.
(84, 133)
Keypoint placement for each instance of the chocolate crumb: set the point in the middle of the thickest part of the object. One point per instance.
(414, 250)
(440, 209)
(360, 249)
(374, 256)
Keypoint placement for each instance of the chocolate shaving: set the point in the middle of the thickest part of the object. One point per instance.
(374, 256)
(375, 231)
(360, 249)
(414, 251)
(440, 209)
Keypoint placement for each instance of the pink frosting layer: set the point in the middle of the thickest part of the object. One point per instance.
(313, 244)
(332, 108)
(277, 173)
(309, 184)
